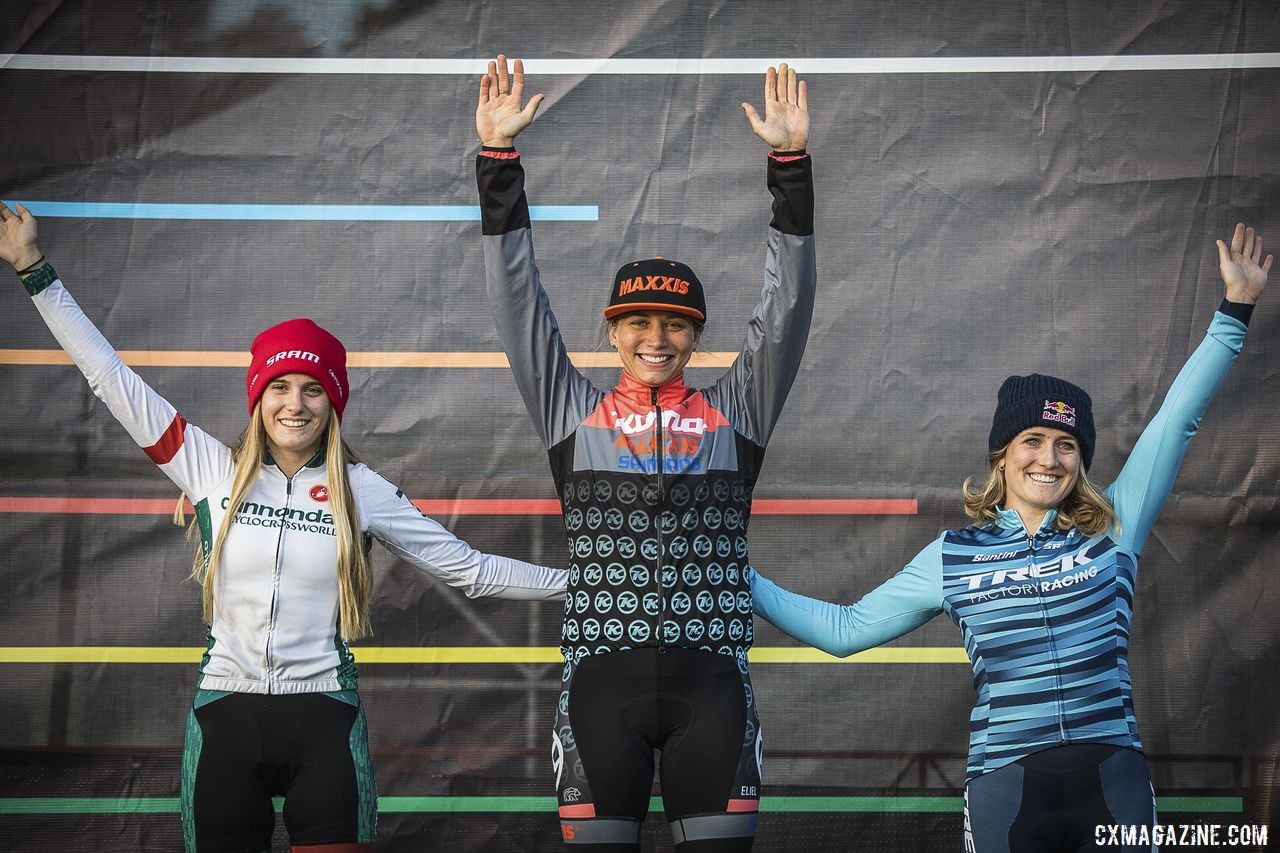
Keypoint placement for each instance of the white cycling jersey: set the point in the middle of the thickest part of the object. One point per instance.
(275, 620)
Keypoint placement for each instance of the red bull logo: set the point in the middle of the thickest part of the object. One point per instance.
(1059, 412)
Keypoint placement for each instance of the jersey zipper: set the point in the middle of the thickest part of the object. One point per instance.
(275, 583)
(657, 522)
(1048, 631)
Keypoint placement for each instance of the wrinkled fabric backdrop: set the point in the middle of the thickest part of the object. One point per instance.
(971, 222)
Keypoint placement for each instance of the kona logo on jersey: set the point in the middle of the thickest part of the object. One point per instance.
(320, 494)
(637, 423)
(1068, 563)
(1059, 412)
(301, 355)
(669, 283)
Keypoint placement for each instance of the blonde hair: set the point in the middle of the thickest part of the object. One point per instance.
(355, 580)
(1085, 508)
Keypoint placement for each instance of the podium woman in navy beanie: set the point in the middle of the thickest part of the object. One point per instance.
(284, 519)
(1041, 586)
(655, 479)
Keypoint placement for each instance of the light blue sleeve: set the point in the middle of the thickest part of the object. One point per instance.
(898, 606)
(1142, 488)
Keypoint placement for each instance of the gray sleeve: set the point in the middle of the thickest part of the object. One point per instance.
(751, 394)
(557, 396)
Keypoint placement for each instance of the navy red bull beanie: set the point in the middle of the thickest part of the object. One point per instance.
(656, 284)
(1047, 401)
(298, 346)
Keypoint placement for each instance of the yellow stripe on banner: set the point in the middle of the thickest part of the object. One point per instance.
(375, 655)
(220, 358)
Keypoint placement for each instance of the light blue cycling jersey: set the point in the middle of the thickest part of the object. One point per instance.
(1045, 617)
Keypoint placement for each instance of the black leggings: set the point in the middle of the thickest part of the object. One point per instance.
(1053, 801)
(697, 710)
(242, 749)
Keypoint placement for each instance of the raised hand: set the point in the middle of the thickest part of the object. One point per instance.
(499, 116)
(785, 126)
(1239, 265)
(18, 237)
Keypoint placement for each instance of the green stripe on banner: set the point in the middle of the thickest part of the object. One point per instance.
(913, 804)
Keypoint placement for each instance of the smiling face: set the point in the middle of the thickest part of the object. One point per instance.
(1041, 466)
(295, 413)
(654, 345)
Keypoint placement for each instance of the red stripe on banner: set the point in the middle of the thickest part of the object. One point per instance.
(578, 811)
(168, 445)
(460, 506)
(489, 506)
(836, 506)
(743, 806)
(92, 506)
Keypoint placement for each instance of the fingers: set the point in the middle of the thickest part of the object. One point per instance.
(5, 212)
(531, 108)
(1237, 239)
(791, 85)
(486, 86)
(504, 79)
(1224, 254)
(804, 96)
(753, 117)
(517, 85)
(770, 85)
(1266, 265)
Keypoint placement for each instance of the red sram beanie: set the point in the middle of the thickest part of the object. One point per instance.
(298, 346)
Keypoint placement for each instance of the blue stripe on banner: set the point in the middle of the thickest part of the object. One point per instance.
(303, 212)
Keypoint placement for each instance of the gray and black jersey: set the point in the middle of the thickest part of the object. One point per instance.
(655, 483)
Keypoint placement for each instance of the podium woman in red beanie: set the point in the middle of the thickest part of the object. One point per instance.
(284, 518)
(655, 478)
(1041, 585)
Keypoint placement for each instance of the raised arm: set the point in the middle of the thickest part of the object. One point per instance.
(192, 459)
(557, 396)
(755, 388)
(394, 521)
(898, 606)
(1143, 486)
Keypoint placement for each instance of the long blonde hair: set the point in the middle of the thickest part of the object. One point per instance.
(355, 580)
(1085, 508)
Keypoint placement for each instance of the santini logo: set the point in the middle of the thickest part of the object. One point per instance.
(294, 353)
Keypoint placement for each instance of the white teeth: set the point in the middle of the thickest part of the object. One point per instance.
(291, 422)
(1044, 478)
(655, 359)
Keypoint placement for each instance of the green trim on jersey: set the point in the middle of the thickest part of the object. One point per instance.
(346, 671)
(204, 521)
(40, 280)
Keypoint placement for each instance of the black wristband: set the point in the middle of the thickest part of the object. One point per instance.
(1241, 311)
(33, 267)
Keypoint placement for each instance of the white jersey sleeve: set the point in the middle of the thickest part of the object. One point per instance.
(195, 461)
(391, 518)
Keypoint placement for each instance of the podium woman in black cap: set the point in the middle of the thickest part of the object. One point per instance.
(655, 479)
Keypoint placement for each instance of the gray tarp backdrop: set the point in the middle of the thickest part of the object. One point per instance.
(977, 216)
